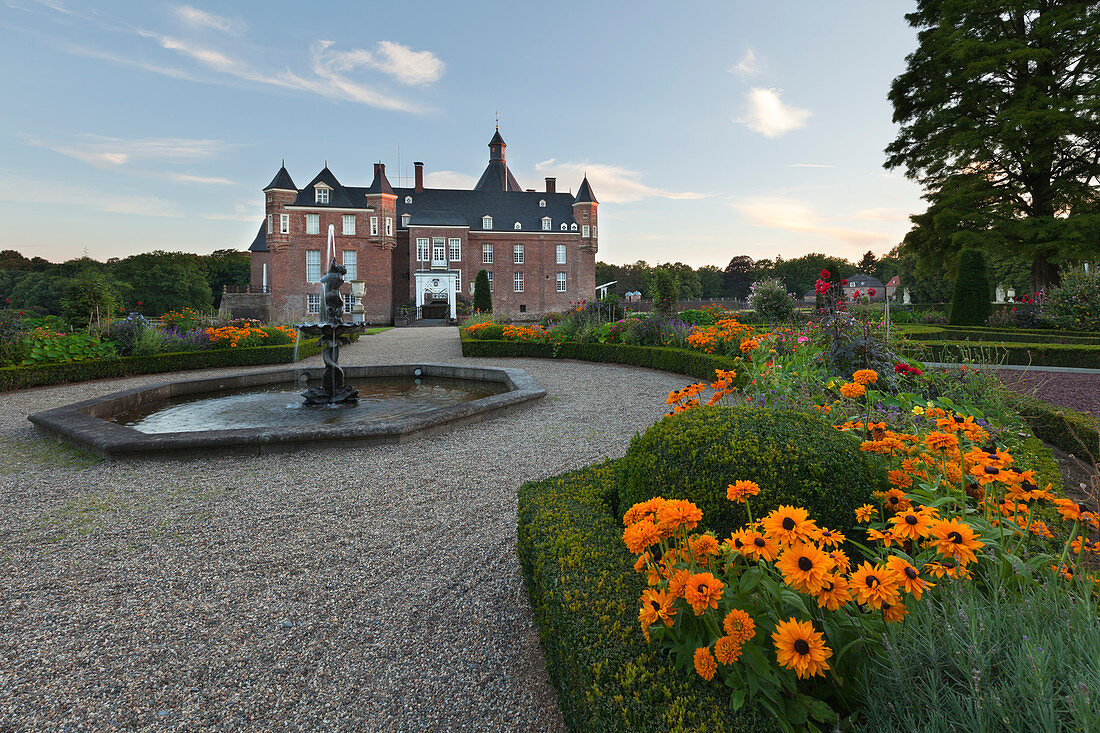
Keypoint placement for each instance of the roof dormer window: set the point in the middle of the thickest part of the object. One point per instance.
(563, 226)
(405, 219)
(546, 223)
(408, 199)
(486, 222)
(573, 226)
(517, 226)
(320, 194)
(542, 203)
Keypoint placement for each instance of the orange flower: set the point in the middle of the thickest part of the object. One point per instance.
(678, 583)
(865, 512)
(895, 500)
(741, 490)
(799, 647)
(942, 442)
(739, 626)
(804, 567)
(641, 535)
(703, 546)
(911, 525)
(908, 579)
(757, 546)
(956, 539)
(865, 377)
(834, 593)
(703, 591)
(788, 525)
(677, 513)
(656, 606)
(852, 390)
(874, 585)
(727, 650)
(704, 663)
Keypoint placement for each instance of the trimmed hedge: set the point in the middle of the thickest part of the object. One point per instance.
(796, 458)
(999, 352)
(584, 595)
(1072, 431)
(681, 361)
(40, 375)
(1017, 336)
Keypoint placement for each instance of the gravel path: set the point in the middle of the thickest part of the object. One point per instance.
(1076, 391)
(348, 589)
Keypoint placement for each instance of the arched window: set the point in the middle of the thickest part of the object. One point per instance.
(546, 223)
(486, 222)
(405, 219)
(542, 203)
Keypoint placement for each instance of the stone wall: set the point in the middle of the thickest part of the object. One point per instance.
(248, 305)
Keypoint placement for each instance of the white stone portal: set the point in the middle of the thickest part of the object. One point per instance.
(436, 286)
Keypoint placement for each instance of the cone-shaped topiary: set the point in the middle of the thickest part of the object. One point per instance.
(971, 305)
(483, 300)
(795, 458)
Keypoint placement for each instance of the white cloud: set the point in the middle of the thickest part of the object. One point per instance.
(111, 152)
(776, 212)
(24, 190)
(448, 179)
(747, 66)
(400, 62)
(768, 114)
(610, 183)
(201, 19)
(201, 180)
(881, 215)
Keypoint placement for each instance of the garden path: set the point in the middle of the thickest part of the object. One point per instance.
(345, 589)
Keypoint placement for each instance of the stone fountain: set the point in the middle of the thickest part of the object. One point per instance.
(334, 333)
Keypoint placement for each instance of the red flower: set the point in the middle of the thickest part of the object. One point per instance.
(871, 292)
(825, 274)
(139, 304)
(843, 283)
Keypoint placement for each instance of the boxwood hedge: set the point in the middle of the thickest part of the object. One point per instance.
(796, 458)
(998, 352)
(12, 378)
(584, 595)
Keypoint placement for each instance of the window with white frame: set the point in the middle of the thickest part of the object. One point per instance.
(349, 224)
(486, 222)
(542, 203)
(313, 223)
(561, 254)
(350, 301)
(439, 251)
(561, 282)
(517, 225)
(517, 282)
(284, 223)
(374, 226)
(546, 223)
(270, 220)
(389, 226)
(490, 282)
(517, 254)
(454, 247)
(458, 282)
(487, 254)
(405, 219)
(320, 195)
(313, 303)
(423, 252)
(584, 230)
(313, 265)
(351, 259)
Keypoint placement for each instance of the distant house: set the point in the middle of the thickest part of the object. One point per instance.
(892, 286)
(868, 285)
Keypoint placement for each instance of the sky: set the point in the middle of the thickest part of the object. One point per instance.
(707, 130)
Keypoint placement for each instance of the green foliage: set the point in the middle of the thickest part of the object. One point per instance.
(91, 297)
(13, 378)
(275, 337)
(680, 361)
(663, 291)
(483, 299)
(796, 458)
(164, 281)
(971, 302)
(47, 347)
(999, 124)
(1074, 432)
(1015, 335)
(584, 598)
(980, 658)
(147, 341)
(225, 267)
(1075, 304)
(1000, 352)
(770, 300)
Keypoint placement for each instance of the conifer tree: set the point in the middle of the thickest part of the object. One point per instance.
(483, 299)
(970, 305)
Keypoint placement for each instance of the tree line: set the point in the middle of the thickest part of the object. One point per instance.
(152, 283)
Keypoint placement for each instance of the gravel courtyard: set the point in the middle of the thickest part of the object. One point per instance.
(347, 589)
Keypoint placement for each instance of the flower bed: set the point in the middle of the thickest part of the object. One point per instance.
(13, 378)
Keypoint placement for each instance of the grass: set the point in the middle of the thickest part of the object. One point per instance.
(373, 331)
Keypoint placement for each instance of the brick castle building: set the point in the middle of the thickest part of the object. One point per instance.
(423, 247)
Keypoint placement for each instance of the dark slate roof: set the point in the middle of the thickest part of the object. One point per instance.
(497, 177)
(864, 281)
(259, 244)
(437, 218)
(506, 207)
(282, 180)
(380, 184)
(584, 195)
(338, 197)
(497, 139)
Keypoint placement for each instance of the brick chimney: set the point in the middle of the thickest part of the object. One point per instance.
(551, 185)
(419, 175)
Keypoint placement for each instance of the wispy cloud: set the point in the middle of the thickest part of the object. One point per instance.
(400, 62)
(21, 189)
(770, 116)
(448, 179)
(196, 18)
(776, 212)
(610, 183)
(881, 215)
(112, 152)
(747, 66)
(810, 165)
(201, 180)
(249, 212)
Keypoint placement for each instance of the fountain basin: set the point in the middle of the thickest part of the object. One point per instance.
(92, 424)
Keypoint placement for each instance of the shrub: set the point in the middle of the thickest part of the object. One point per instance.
(147, 341)
(1075, 304)
(127, 331)
(483, 299)
(664, 291)
(970, 658)
(796, 458)
(11, 326)
(584, 600)
(279, 335)
(185, 319)
(47, 347)
(769, 298)
(176, 341)
(970, 304)
(933, 318)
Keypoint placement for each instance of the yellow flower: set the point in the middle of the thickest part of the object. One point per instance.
(918, 410)
(799, 647)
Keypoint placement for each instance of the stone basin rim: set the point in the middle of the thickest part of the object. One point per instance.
(84, 423)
